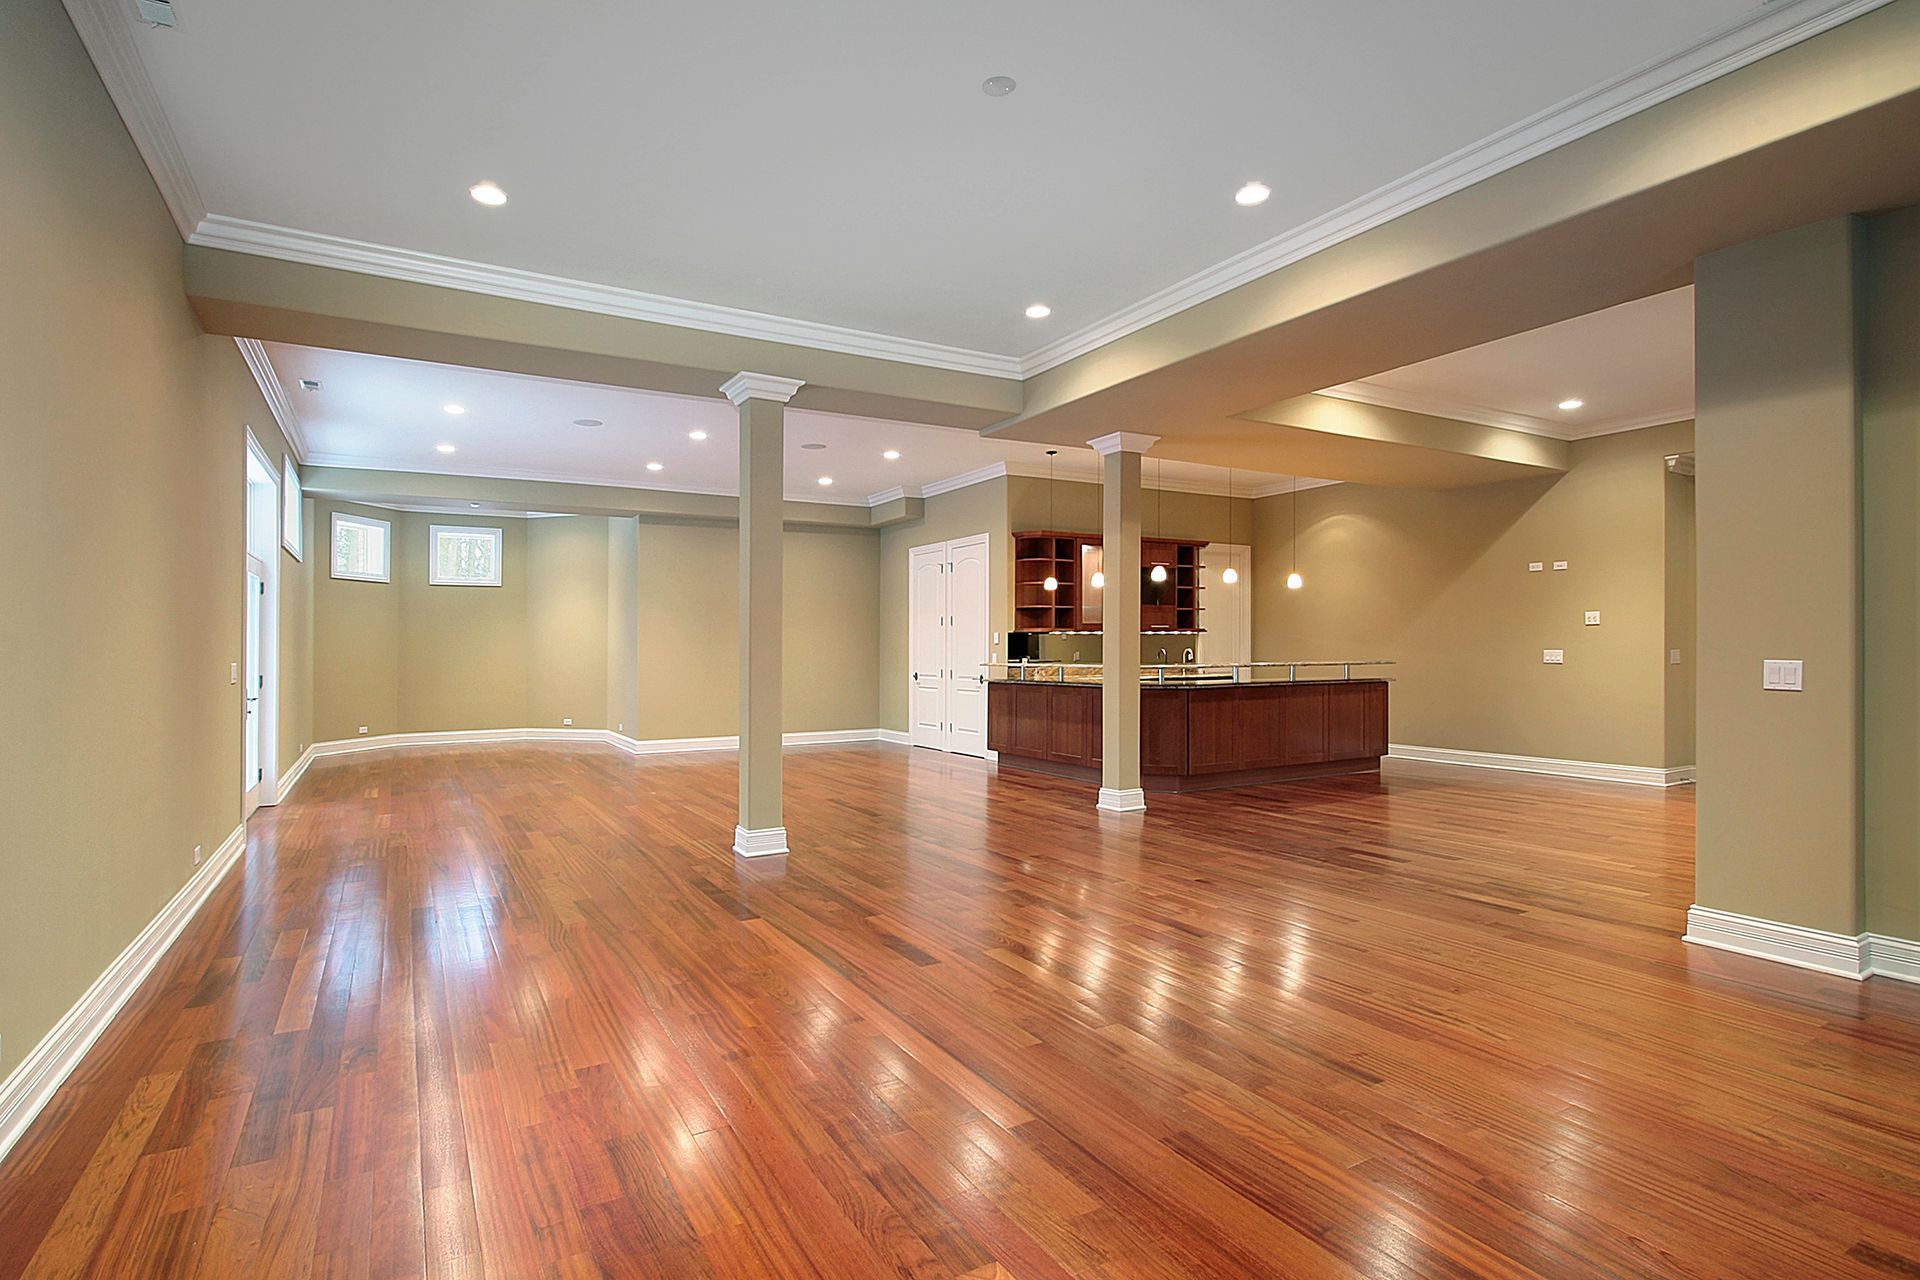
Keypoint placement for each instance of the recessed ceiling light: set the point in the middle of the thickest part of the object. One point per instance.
(1039, 311)
(455, 409)
(814, 445)
(998, 86)
(891, 455)
(588, 422)
(444, 448)
(825, 481)
(1572, 403)
(655, 466)
(696, 435)
(473, 504)
(488, 193)
(1253, 193)
(309, 384)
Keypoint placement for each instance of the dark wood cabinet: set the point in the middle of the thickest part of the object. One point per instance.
(1074, 603)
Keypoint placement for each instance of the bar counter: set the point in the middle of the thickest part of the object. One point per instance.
(1196, 733)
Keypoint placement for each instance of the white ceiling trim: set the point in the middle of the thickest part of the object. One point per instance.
(1768, 30)
(1267, 487)
(106, 29)
(217, 231)
(349, 463)
(275, 395)
(1364, 392)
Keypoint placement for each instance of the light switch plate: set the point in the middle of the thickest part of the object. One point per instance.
(1536, 566)
(1782, 674)
(1593, 617)
(1553, 657)
(566, 720)
(1673, 657)
(233, 673)
(1559, 565)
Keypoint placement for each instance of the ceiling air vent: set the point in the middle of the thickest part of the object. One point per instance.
(157, 12)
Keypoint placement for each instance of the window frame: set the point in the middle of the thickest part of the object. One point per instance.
(333, 540)
(293, 532)
(434, 531)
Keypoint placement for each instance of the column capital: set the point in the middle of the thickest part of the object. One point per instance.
(1122, 442)
(759, 386)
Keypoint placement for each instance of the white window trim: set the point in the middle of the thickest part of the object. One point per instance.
(291, 495)
(333, 532)
(433, 554)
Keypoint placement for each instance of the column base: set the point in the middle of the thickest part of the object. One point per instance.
(759, 844)
(1122, 800)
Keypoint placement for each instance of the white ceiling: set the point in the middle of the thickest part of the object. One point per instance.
(380, 412)
(1632, 365)
(836, 162)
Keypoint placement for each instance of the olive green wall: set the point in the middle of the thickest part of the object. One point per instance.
(1437, 581)
(1682, 604)
(978, 508)
(464, 651)
(1779, 537)
(122, 481)
(1890, 465)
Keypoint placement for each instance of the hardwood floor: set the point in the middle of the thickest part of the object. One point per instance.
(514, 1012)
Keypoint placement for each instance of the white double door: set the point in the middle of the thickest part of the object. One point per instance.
(947, 645)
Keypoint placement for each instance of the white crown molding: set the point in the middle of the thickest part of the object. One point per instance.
(107, 29)
(1589, 770)
(31, 1085)
(1765, 31)
(346, 462)
(1122, 442)
(745, 386)
(217, 231)
(1364, 392)
(767, 843)
(284, 414)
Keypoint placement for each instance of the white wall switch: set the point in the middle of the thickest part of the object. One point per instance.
(566, 720)
(620, 728)
(1553, 657)
(233, 673)
(1780, 673)
(363, 728)
(196, 855)
(1559, 565)
(1593, 617)
(1536, 566)
(1673, 657)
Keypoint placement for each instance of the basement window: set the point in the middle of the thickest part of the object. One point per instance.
(464, 556)
(362, 548)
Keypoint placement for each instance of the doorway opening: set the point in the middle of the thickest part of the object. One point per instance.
(947, 645)
(258, 670)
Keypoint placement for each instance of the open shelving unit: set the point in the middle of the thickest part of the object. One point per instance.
(1173, 605)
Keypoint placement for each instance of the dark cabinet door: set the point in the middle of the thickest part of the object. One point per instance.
(1214, 719)
(1303, 727)
(1263, 727)
(1030, 719)
(1356, 721)
(1074, 719)
(1163, 731)
(1000, 717)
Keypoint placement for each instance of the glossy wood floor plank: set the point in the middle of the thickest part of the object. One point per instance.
(515, 1012)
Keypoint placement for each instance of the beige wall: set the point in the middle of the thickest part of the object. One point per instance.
(1438, 583)
(1779, 534)
(122, 427)
(1682, 604)
(1890, 465)
(464, 651)
(978, 508)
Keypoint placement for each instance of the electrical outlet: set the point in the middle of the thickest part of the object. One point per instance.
(1553, 657)
(620, 728)
(363, 728)
(1593, 617)
(196, 855)
(1558, 565)
(566, 720)
(1536, 566)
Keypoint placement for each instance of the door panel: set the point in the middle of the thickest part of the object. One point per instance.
(967, 645)
(927, 646)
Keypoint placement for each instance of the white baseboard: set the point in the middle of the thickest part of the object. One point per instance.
(897, 737)
(293, 775)
(759, 844)
(1122, 800)
(26, 1090)
(1855, 956)
(1591, 771)
(633, 746)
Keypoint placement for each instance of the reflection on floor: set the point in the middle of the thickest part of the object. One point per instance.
(514, 1011)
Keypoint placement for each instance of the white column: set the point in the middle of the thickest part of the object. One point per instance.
(761, 400)
(1120, 453)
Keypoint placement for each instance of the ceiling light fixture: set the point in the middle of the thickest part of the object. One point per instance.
(891, 455)
(455, 409)
(1252, 194)
(1573, 402)
(473, 504)
(588, 422)
(1229, 575)
(1294, 580)
(1098, 579)
(696, 435)
(1039, 311)
(309, 384)
(825, 481)
(656, 466)
(488, 193)
(998, 86)
(444, 448)
(1159, 571)
(1050, 582)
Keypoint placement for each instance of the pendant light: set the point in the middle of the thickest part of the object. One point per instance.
(1294, 580)
(1159, 571)
(1229, 575)
(1099, 579)
(1052, 583)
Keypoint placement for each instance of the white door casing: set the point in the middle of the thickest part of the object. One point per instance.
(947, 645)
(927, 646)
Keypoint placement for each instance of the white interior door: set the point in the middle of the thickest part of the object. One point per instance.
(254, 715)
(927, 645)
(967, 647)
(1227, 609)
